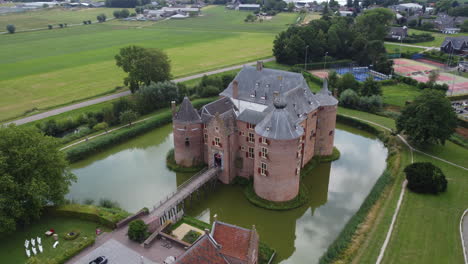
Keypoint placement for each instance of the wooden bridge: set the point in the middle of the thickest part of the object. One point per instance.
(171, 208)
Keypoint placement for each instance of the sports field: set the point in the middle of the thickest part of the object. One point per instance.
(52, 67)
(52, 16)
(420, 72)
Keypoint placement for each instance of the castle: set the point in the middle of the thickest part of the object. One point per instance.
(266, 125)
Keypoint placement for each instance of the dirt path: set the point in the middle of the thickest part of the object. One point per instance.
(118, 95)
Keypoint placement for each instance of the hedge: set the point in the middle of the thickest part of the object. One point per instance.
(105, 216)
(79, 245)
(191, 221)
(173, 166)
(345, 238)
(265, 253)
(320, 65)
(83, 150)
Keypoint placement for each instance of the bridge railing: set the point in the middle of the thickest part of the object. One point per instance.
(180, 187)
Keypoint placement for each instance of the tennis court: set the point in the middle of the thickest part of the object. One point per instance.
(420, 71)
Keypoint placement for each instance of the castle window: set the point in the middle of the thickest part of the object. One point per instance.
(251, 137)
(205, 138)
(250, 154)
(264, 153)
(217, 142)
(263, 140)
(187, 142)
(312, 134)
(263, 169)
(298, 170)
(250, 126)
(217, 129)
(330, 133)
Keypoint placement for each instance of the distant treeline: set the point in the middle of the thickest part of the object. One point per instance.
(127, 3)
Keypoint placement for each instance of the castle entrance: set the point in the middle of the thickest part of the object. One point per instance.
(218, 160)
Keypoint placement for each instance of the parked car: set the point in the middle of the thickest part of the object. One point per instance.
(99, 260)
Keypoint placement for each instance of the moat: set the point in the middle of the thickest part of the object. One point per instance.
(135, 175)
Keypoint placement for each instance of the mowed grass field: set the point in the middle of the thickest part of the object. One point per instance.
(52, 16)
(48, 68)
(439, 37)
(398, 94)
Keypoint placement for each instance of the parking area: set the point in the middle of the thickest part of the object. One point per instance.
(116, 253)
(461, 108)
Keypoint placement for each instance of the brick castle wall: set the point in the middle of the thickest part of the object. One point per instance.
(192, 153)
(326, 123)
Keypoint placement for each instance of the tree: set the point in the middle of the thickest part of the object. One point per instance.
(433, 76)
(430, 119)
(127, 117)
(33, 174)
(157, 95)
(11, 28)
(349, 98)
(143, 66)
(371, 87)
(137, 230)
(116, 14)
(424, 177)
(349, 3)
(374, 24)
(101, 18)
(348, 81)
(464, 26)
(291, 6)
(124, 13)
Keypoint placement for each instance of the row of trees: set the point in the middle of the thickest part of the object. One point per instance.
(366, 96)
(127, 3)
(124, 13)
(339, 37)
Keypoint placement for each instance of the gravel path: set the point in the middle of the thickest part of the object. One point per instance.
(117, 95)
(464, 234)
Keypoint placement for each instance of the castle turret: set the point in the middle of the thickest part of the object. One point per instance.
(277, 166)
(188, 135)
(326, 121)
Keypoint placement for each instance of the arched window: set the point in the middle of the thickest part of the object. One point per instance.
(187, 142)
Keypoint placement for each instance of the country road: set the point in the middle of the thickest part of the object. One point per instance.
(117, 95)
(412, 46)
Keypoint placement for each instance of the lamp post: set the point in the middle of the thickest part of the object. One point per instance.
(305, 59)
(325, 60)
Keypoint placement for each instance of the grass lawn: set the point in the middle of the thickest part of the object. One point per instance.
(398, 94)
(13, 251)
(427, 226)
(52, 16)
(396, 48)
(439, 37)
(81, 64)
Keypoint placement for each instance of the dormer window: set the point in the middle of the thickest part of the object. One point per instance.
(268, 85)
(268, 129)
(253, 94)
(263, 97)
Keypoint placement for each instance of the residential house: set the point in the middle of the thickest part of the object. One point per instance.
(457, 45)
(397, 33)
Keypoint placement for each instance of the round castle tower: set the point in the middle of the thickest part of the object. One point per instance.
(188, 134)
(326, 121)
(277, 168)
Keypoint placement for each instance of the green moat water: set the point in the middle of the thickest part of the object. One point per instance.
(134, 174)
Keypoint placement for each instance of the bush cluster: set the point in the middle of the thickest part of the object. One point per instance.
(428, 85)
(138, 231)
(364, 96)
(212, 85)
(191, 236)
(424, 177)
(124, 13)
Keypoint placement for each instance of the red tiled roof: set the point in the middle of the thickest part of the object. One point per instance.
(234, 240)
(203, 251)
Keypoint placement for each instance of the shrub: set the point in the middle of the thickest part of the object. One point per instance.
(61, 25)
(88, 201)
(107, 203)
(138, 230)
(71, 235)
(128, 117)
(191, 236)
(50, 26)
(424, 177)
(11, 28)
(101, 18)
(101, 126)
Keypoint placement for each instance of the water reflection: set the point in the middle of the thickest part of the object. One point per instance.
(135, 175)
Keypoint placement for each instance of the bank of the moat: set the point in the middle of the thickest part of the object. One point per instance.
(135, 175)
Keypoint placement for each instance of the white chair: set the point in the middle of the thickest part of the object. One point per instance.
(40, 248)
(39, 241)
(55, 244)
(33, 242)
(28, 253)
(34, 251)
(26, 243)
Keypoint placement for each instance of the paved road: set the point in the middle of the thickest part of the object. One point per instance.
(117, 95)
(412, 46)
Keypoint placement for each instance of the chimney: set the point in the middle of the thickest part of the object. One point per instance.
(235, 89)
(259, 65)
(173, 108)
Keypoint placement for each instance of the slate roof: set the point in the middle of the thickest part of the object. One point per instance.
(457, 42)
(219, 106)
(187, 113)
(251, 116)
(258, 86)
(324, 96)
(397, 31)
(279, 124)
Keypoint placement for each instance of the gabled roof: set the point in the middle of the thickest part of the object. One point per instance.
(203, 251)
(251, 116)
(187, 113)
(457, 42)
(234, 241)
(219, 106)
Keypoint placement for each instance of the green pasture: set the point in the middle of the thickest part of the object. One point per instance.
(47, 68)
(52, 16)
(427, 227)
(13, 250)
(398, 94)
(396, 48)
(439, 37)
